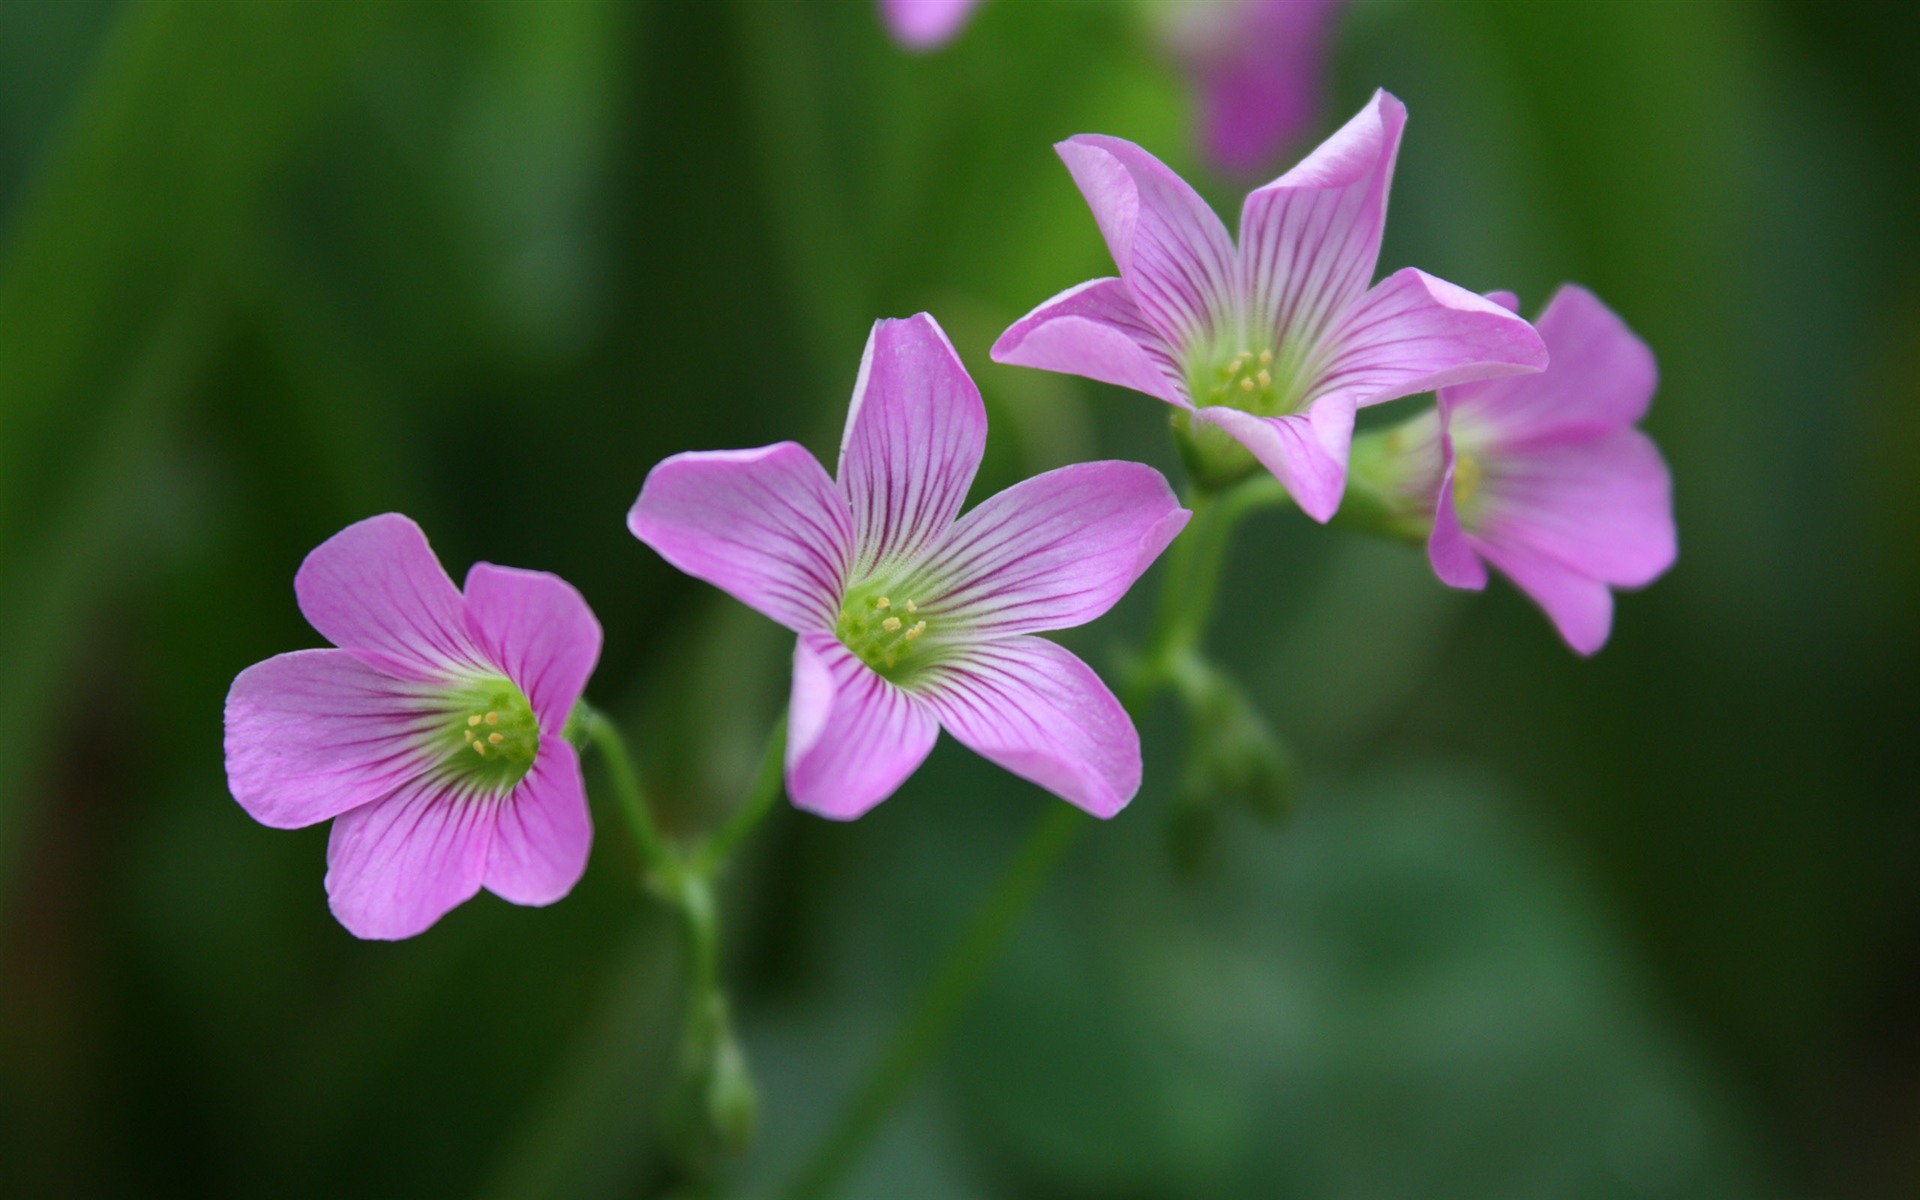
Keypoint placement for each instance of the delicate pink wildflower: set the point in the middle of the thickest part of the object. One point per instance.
(1545, 477)
(1256, 66)
(1278, 342)
(911, 620)
(431, 735)
(925, 24)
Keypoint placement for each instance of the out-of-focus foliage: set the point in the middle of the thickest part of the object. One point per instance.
(1639, 926)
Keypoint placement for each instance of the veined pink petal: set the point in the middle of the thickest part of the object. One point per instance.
(1602, 378)
(1413, 333)
(314, 733)
(538, 630)
(1171, 248)
(1041, 713)
(1448, 548)
(1307, 452)
(541, 830)
(1579, 605)
(396, 866)
(1053, 551)
(376, 589)
(916, 431)
(925, 24)
(1309, 241)
(1603, 507)
(1258, 73)
(765, 526)
(1094, 329)
(852, 737)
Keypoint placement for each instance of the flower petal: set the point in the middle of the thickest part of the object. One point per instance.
(1257, 69)
(1579, 606)
(1413, 333)
(1171, 248)
(314, 733)
(1037, 710)
(1603, 507)
(541, 832)
(765, 526)
(852, 737)
(925, 24)
(1307, 452)
(397, 866)
(537, 629)
(375, 588)
(916, 431)
(1050, 552)
(1602, 378)
(1095, 330)
(1309, 240)
(1453, 558)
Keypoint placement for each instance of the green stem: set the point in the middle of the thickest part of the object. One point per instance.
(767, 786)
(1187, 593)
(926, 1024)
(660, 858)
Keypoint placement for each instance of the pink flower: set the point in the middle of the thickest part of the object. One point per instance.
(911, 620)
(432, 735)
(1545, 477)
(1274, 344)
(1256, 65)
(925, 24)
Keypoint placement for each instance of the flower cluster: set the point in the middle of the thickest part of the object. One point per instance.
(434, 733)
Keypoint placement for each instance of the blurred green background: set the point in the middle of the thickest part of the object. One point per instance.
(1643, 926)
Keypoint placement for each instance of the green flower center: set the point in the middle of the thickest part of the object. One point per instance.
(493, 736)
(1261, 382)
(882, 632)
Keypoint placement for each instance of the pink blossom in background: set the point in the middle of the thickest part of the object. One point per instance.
(1545, 477)
(1277, 342)
(925, 24)
(911, 617)
(430, 736)
(1256, 68)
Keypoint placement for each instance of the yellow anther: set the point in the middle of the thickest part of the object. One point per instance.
(480, 748)
(496, 738)
(919, 628)
(493, 718)
(1266, 358)
(913, 608)
(883, 604)
(1246, 385)
(1265, 379)
(467, 733)
(474, 719)
(891, 624)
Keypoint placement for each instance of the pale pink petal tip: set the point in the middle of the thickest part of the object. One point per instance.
(361, 734)
(924, 25)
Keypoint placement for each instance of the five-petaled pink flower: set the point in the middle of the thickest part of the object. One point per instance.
(1256, 66)
(1277, 343)
(432, 735)
(911, 620)
(1545, 477)
(925, 24)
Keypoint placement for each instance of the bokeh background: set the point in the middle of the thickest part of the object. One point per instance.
(1641, 926)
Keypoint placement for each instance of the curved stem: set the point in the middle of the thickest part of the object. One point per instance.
(655, 851)
(767, 786)
(1187, 593)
